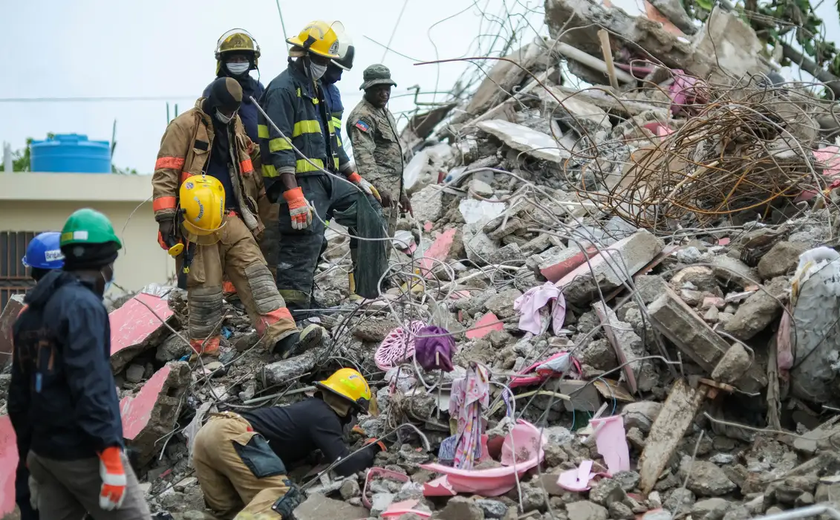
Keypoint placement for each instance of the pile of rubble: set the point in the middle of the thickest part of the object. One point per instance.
(629, 267)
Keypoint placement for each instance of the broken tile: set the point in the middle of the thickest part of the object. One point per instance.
(8, 465)
(484, 326)
(134, 327)
(7, 319)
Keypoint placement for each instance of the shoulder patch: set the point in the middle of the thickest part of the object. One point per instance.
(361, 125)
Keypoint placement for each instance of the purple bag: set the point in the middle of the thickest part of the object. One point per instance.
(435, 351)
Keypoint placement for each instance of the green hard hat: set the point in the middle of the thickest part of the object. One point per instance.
(88, 226)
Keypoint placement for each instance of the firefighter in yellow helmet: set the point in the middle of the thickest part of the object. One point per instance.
(295, 102)
(204, 189)
(276, 438)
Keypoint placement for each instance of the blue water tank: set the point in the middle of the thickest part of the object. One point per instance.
(71, 153)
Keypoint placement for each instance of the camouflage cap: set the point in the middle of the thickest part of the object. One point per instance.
(376, 75)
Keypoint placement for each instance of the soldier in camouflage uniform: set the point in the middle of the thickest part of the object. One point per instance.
(376, 144)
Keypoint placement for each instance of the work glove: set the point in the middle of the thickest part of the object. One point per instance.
(406, 204)
(366, 187)
(379, 444)
(33, 493)
(299, 209)
(166, 232)
(112, 493)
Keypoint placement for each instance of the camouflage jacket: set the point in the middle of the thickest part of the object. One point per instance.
(376, 146)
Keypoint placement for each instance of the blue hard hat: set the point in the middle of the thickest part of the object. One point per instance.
(44, 251)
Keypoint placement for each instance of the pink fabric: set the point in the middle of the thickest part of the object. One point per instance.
(397, 347)
(535, 306)
(830, 157)
(611, 441)
(527, 441)
(540, 370)
(468, 397)
(685, 92)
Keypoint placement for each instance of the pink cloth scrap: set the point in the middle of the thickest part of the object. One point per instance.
(830, 158)
(560, 363)
(577, 479)
(611, 441)
(469, 396)
(537, 304)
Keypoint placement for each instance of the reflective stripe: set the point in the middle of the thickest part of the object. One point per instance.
(330, 126)
(246, 166)
(315, 101)
(303, 166)
(269, 171)
(175, 163)
(307, 126)
(338, 139)
(298, 92)
(336, 123)
(262, 131)
(335, 160)
(280, 143)
(185, 176)
(164, 203)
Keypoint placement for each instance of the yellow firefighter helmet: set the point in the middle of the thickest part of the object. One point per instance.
(319, 38)
(202, 200)
(349, 384)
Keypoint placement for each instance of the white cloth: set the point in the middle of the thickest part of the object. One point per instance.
(535, 307)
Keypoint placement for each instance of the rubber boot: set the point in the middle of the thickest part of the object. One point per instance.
(351, 278)
(299, 342)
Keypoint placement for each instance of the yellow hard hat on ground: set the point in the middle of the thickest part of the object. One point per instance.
(349, 384)
(319, 38)
(202, 200)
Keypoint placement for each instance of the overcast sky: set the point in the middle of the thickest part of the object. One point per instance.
(164, 49)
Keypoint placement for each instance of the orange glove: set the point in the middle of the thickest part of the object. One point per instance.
(111, 470)
(367, 187)
(299, 208)
(380, 444)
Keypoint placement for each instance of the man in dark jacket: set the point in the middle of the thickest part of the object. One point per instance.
(240, 460)
(295, 103)
(62, 399)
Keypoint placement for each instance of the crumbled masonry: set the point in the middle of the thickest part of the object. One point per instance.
(690, 219)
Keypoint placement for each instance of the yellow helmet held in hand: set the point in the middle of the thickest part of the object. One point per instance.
(349, 384)
(202, 201)
(319, 38)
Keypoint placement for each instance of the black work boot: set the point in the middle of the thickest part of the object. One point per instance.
(299, 342)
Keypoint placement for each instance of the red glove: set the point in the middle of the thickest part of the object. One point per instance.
(111, 470)
(380, 444)
(299, 208)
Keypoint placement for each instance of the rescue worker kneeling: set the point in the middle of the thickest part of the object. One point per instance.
(204, 201)
(239, 459)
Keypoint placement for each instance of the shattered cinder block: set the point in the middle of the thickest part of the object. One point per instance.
(628, 346)
(134, 327)
(151, 414)
(7, 320)
(610, 268)
(287, 369)
(8, 465)
(688, 332)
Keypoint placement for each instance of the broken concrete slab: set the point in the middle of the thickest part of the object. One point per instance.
(640, 375)
(524, 139)
(319, 507)
(610, 268)
(8, 465)
(134, 327)
(667, 432)
(731, 270)
(732, 365)
(7, 319)
(693, 337)
(427, 204)
(782, 258)
(759, 310)
(284, 370)
(151, 414)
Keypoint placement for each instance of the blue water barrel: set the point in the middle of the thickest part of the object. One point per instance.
(71, 153)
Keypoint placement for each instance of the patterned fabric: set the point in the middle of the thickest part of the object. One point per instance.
(469, 396)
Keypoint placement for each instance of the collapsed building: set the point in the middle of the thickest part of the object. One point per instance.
(643, 270)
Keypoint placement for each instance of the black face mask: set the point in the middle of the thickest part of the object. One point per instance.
(333, 74)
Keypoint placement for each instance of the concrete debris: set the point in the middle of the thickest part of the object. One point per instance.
(674, 203)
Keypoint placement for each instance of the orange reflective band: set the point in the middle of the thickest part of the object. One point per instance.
(211, 347)
(228, 288)
(269, 319)
(246, 166)
(185, 176)
(164, 203)
(175, 163)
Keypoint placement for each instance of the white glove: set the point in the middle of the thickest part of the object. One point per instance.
(33, 493)
(366, 186)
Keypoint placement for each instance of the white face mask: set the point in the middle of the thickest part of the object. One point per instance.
(317, 71)
(107, 282)
(238, 68)
(223, 118)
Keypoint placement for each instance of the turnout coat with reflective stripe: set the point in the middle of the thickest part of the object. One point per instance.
(293, 104)
(185, 150)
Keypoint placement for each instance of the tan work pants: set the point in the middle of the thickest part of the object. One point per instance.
(230, 487)
(67, 489)
(238, 256)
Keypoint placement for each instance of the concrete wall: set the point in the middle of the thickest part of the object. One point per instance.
(43, 201)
